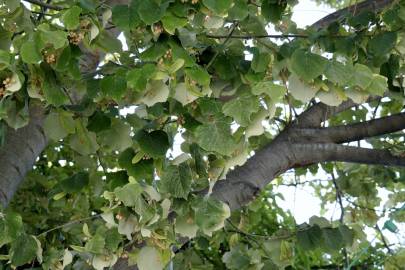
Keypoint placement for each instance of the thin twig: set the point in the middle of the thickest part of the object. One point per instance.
(376, 109)
(282, 36)
(42, 13)
(68, 96)
(101, 163)
(338, 197)
(228, 37)
(342, 213)
(256, 36)
(45, 5)
(68, 224)
(383, 239)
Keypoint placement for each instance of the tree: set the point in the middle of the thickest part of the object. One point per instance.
(84, 185)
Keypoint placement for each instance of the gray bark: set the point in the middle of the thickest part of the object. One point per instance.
(18, 154)
(368, 5)
(297, 146)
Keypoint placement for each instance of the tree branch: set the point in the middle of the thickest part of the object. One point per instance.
(45, 5)
(256, 36)
(368, 5)
(18, 154)
(335, 152)
(352, 132)
(321, 112)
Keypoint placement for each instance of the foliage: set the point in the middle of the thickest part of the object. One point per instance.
(108, 188)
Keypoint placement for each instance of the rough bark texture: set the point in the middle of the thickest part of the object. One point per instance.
(23, 146)
(303, 143)
(18, 154)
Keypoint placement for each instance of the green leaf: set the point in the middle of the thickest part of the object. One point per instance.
(273, 10)
(83, 141)
(337, 72)
(210, 215)
(108, 43)
(53, 92)
(30, 53)
(171, 22)
(274, 91)
(113, 86)
(75, 183)
(347, 234)
(5, 58)
(239, 10)
(361, 76)
(15, 83)
(11, 227)
(100, 262)
(126, 17)
(218, 6)
(280, 252)
(236, 258)
(176, 180)
(382, 44)
(149, 259)
(332, 239)
(57, 38)
(70, 17)
(154, 144)
(23, 250)
(156, 91)
(116, 138)
(58, 125)
(241, 108)
(156, 51)
(310, 238)
(185, 95)
(213, 22)
(333, 97)
(256, 127)
(95, 244)
(129, 194)
(16, 115)
(175, 66)
(389, 225)
(199, 75)
(307, 65)
(260, 62)
(378, 85)
(300, 90)
(112, 239)
(150, 12)
(215, 137)
(185, 227)
(99, 122)
(138, 78)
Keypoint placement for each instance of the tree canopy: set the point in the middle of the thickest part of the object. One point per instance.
(95, 95)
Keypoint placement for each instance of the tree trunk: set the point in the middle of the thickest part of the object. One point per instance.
(19, 153)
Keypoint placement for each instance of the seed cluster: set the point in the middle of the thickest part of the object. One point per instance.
(4, 85)
(75, 37)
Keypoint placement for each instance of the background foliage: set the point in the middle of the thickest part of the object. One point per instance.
(106, 187)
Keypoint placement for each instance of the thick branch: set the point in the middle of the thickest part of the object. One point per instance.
(352, 132)
(368, 5)
(19, 153)
(335, 152)
(321, 112)
(245, 182)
